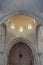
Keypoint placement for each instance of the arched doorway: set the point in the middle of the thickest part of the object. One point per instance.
(20, 54)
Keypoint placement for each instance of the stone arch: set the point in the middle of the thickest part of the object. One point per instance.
(14, 13)
(19, 42)
(19, 39)
(28, 42)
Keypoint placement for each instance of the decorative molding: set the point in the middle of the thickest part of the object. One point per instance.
(29, 43)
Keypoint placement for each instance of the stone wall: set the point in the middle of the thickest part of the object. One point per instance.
(40, 43)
